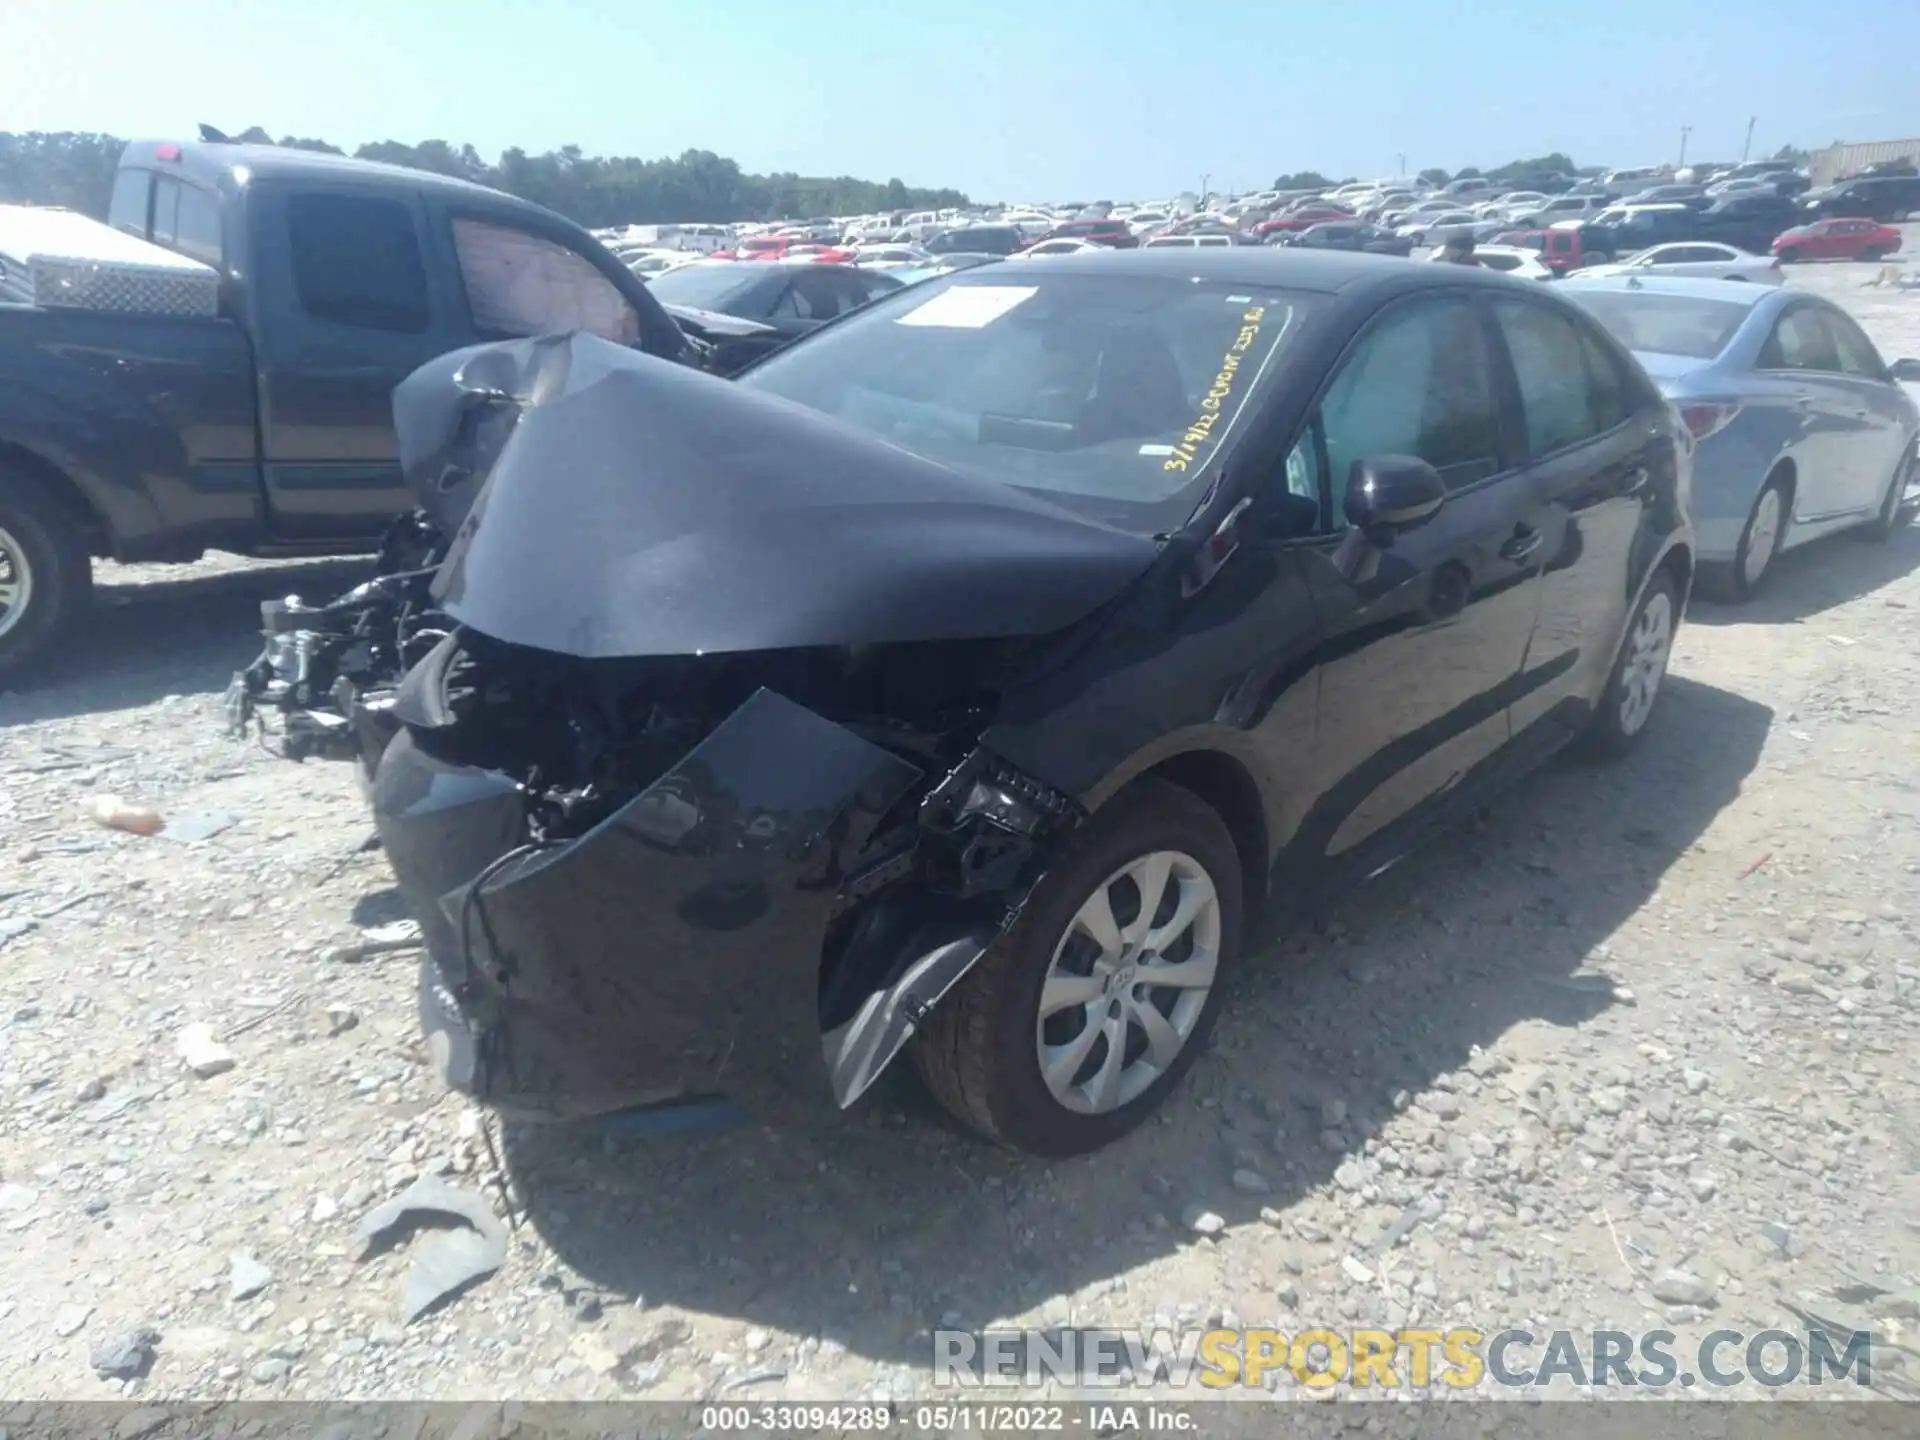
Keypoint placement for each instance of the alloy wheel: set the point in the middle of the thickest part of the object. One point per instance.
(16, 582)
(1763, 535)
(1128, 982)
(1647, 650)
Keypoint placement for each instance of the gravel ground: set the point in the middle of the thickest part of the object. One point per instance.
(1652, 1018)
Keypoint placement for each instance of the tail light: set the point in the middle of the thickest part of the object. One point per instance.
(1707, 419)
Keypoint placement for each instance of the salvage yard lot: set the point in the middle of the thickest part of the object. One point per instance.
(1629, 1019)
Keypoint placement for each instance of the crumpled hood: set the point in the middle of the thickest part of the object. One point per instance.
(637, 507)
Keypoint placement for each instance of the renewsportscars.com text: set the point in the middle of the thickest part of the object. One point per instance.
(1417, 1359)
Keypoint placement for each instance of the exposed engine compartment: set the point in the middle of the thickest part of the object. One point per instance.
(585, 739)
(330, 669)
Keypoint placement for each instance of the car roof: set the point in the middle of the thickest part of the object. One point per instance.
(237, 163)
(1284, 267)
(1731, 292)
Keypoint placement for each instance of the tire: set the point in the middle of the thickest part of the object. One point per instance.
(1874, 253)
(46, 578)
(1753, 558)
(1639, 673)
(1893, 515)
(1792, 255)
(980, 1051)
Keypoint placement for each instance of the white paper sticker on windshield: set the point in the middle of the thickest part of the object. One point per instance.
(1156, 449)
(968, 307)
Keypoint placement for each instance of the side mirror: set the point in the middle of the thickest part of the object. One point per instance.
(1390, 493)
(1908, 370)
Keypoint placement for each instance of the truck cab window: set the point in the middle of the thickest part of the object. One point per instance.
(518, 283)
(127, 210)
(186, 219)
(357, 262)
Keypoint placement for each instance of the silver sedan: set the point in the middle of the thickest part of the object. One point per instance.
(1800, 428)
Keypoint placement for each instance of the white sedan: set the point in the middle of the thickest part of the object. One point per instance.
(889, 257)
(1062, 246)
(1514, 260)
(1698, 259)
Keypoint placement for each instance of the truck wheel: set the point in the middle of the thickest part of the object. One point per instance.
(46, 579)
(1075, 1025)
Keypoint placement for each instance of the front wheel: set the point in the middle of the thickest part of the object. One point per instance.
(1893, 508)
(46, 579)
(1792, 255)
(1627, 704)
(1875, 252)
(1074, 1027)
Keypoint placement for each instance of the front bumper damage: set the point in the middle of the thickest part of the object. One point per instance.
(755, 924)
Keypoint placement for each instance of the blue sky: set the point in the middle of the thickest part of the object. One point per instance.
(1006, 99)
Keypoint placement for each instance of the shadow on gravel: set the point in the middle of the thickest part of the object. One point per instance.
(164, 637)
(871, 1232)
(1819, 577)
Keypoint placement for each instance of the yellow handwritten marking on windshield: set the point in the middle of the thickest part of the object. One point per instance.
(1213, 406)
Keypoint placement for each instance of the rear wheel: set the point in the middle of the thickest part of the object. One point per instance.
(46, 579)
(1086, 1013)
(1760, 540)
(1639, 673)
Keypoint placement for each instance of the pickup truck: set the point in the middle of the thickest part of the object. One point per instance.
(269, 429)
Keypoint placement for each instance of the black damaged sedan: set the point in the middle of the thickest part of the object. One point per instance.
(984, 675)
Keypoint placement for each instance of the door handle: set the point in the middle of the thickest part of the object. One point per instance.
(1522, 543)
(1805, 402)
(1636, 477)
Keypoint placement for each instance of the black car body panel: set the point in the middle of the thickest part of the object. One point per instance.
(728, 863)
(765, 304)
(688, 515)
(753, 732)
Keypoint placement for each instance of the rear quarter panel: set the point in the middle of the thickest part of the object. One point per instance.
(151, 417)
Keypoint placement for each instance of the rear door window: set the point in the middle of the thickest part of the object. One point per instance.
(1800, 342)
(187, 219)
(357, 262)
(1570, 391)
(127, 210)
(519, 283)
(1853, 351)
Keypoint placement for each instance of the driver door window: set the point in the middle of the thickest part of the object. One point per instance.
(1419, 383)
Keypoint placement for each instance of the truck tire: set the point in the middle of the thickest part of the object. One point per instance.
(46, 578)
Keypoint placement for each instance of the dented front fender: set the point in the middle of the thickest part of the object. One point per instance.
(674, 949)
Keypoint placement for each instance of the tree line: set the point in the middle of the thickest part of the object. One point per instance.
(1515, 171)
(76, 170)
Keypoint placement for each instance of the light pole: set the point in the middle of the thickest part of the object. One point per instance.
(1203, 190)
(1403, 167)
(1685, 131)
(1748, 145)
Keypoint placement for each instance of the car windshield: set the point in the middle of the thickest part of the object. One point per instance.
(1664, 324)
(1108, 392)
(704, 287)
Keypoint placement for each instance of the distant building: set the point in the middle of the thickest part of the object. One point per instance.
(1828, 165)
